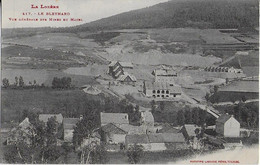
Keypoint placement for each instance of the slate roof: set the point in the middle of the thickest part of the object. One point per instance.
(131, 129)
(45, 117)
(166, 128)
(125, 75)
(155, 138)
(137, 139)
(112, 128)
(115, 118)
(70, 123)
(223, 118)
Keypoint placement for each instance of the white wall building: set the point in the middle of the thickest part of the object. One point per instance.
(227, 126)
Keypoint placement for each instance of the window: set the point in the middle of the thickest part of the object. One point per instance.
(167, 92)
(171, 85)
(162, 91)
(158, 95)
(158, 91)
(153, 91)
(153, 95)
(162, 95)
(174, 95)
(167, 95)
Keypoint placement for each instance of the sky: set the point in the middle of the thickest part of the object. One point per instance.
(86, 10)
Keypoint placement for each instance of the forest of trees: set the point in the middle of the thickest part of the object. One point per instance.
(186, 13)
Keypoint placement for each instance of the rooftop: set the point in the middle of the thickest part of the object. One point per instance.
(115, 118)
(112, 128)
(242, 86)
(223, 118)
(125, 75)
(137, 139)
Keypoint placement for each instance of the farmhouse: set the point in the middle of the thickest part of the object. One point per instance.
(127, 79)
(20, 133)
(227, 126)
(116, 68)
(161, 90)
(223, 69)
(115, 118)
(68, 128)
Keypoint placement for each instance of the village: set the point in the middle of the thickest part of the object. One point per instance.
(158, 82)
(116, 133)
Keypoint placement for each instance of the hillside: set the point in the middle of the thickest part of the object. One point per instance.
(185, 13)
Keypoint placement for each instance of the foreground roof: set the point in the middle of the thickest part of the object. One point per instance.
(112, 128)
(223, 118)
(115, 118)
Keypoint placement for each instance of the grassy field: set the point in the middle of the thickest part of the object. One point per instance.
(41, 100)
(45, 76)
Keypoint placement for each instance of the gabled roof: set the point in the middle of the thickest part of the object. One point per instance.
(112, 128)
(91, 90)
(223, 118)
(70, 123)
(131, 129)
(45, 117)
(115, 118)
(125, 75)
(137, 139)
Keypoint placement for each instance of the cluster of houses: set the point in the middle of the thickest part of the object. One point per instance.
(64, 129)
(117, 71)
(223, 69)
(117, 133)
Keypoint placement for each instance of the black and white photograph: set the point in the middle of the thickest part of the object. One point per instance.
(129, 82)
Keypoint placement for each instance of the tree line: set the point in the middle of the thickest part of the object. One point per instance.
(57, 83)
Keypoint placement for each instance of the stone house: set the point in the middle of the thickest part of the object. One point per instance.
(227, 126)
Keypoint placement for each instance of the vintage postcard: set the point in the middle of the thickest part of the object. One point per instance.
(129, 82)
